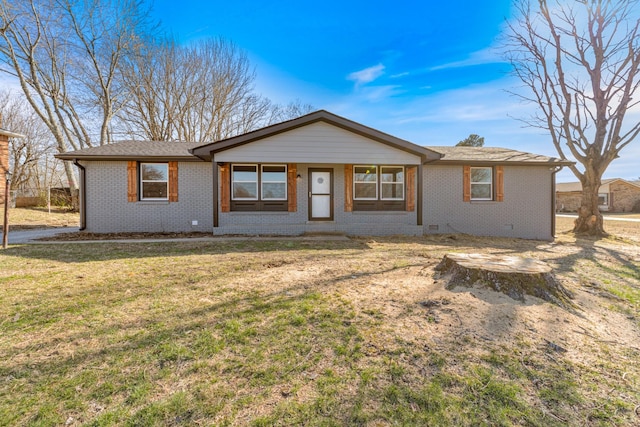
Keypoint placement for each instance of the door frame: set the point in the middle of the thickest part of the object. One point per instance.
(310, 184)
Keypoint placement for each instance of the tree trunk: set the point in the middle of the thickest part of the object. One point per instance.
(590, 219)
(73, 185)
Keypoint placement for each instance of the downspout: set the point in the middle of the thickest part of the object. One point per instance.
(553, 200)
(83, 198)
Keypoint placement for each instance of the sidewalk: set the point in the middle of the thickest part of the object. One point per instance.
(606, 218)
(31, 236)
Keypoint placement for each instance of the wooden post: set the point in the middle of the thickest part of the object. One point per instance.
(5, 228)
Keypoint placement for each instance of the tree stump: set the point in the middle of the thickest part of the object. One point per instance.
(513, 276)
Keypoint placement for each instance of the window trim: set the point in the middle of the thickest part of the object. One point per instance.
(492, 196)
(142, 181)
(365, 182)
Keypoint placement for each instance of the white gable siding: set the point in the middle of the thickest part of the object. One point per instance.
(318, 143)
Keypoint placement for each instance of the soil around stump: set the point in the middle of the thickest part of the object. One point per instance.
(513, 276)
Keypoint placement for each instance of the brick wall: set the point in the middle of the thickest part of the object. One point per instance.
(4, 164)
(623, 195)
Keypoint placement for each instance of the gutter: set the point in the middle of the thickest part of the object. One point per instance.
(83, 193)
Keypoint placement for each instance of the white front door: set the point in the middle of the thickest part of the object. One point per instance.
(320, 195)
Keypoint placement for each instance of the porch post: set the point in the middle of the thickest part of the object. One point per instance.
(419, 195)
(215, 193)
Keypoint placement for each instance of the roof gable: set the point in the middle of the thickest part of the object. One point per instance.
(206, 151)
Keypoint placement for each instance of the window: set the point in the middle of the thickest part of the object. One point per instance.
(154, 181)
(603, 199)
(245, 182)
(482, 183)
(274, 182)
(259, 187)
(365, 181)
(392, 182)
(378, 188)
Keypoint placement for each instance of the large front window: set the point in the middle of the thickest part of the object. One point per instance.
(482, 183)
(154, 181)
(378, 188)
(258, 187)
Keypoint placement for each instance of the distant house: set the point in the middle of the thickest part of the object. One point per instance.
(614, 195)
(4, 158)
(317, 173)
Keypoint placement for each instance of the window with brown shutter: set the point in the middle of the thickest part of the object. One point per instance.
(499, 184)
(348, 188)
(132, 181)
(225, 185)
(483, 183)
(411, 188)
(466, 183)
(173, 181)
(292, 175)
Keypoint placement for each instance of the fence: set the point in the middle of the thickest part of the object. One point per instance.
(41, 197)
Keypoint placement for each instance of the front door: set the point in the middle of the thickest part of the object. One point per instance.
(320, 194)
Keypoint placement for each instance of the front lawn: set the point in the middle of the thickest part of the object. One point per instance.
(356, 332)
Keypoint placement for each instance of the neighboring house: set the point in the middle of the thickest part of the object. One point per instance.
(614, 195)
(317, 173)
(4, 159)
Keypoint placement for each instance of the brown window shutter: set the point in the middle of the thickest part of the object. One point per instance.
(225, 186)
(499, 184)
(466, 184)
(411, 188)
(348, 188)
(173, 181)
(132, 181)
(292, 173)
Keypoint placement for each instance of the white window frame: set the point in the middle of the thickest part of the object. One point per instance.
(142, 181)
(481, 182)
(380, 168)
(257, 181)
(262, 182)
(365, 182)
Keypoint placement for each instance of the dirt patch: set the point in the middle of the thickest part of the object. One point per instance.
(80, 236)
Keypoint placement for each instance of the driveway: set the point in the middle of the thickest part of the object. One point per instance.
(28, 236)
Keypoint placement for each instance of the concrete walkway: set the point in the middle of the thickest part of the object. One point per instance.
(29, 236)
(606, 218)
(32, 236)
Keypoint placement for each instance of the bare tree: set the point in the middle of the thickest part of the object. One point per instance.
(201, 92)
(580, 62)
(66, 56)
(26, 155)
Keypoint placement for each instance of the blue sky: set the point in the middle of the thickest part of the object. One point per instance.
(426, 71)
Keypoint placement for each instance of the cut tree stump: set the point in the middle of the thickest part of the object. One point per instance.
(513, 276)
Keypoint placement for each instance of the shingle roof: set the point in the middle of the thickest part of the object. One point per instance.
(566, 187)
(472, 155)
(138, 150)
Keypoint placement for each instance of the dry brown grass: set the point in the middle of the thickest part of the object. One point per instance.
(358, 332)
(27, 218)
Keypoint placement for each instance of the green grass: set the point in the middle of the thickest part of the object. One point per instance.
(242, 334)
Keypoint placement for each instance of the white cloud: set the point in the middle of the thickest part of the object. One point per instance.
(488, 55)
(367, 75)
(395, 76)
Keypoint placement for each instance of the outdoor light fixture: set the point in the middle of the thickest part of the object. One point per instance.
(299, 178)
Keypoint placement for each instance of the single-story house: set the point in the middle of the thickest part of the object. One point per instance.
(614, 195)
(316, 173)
